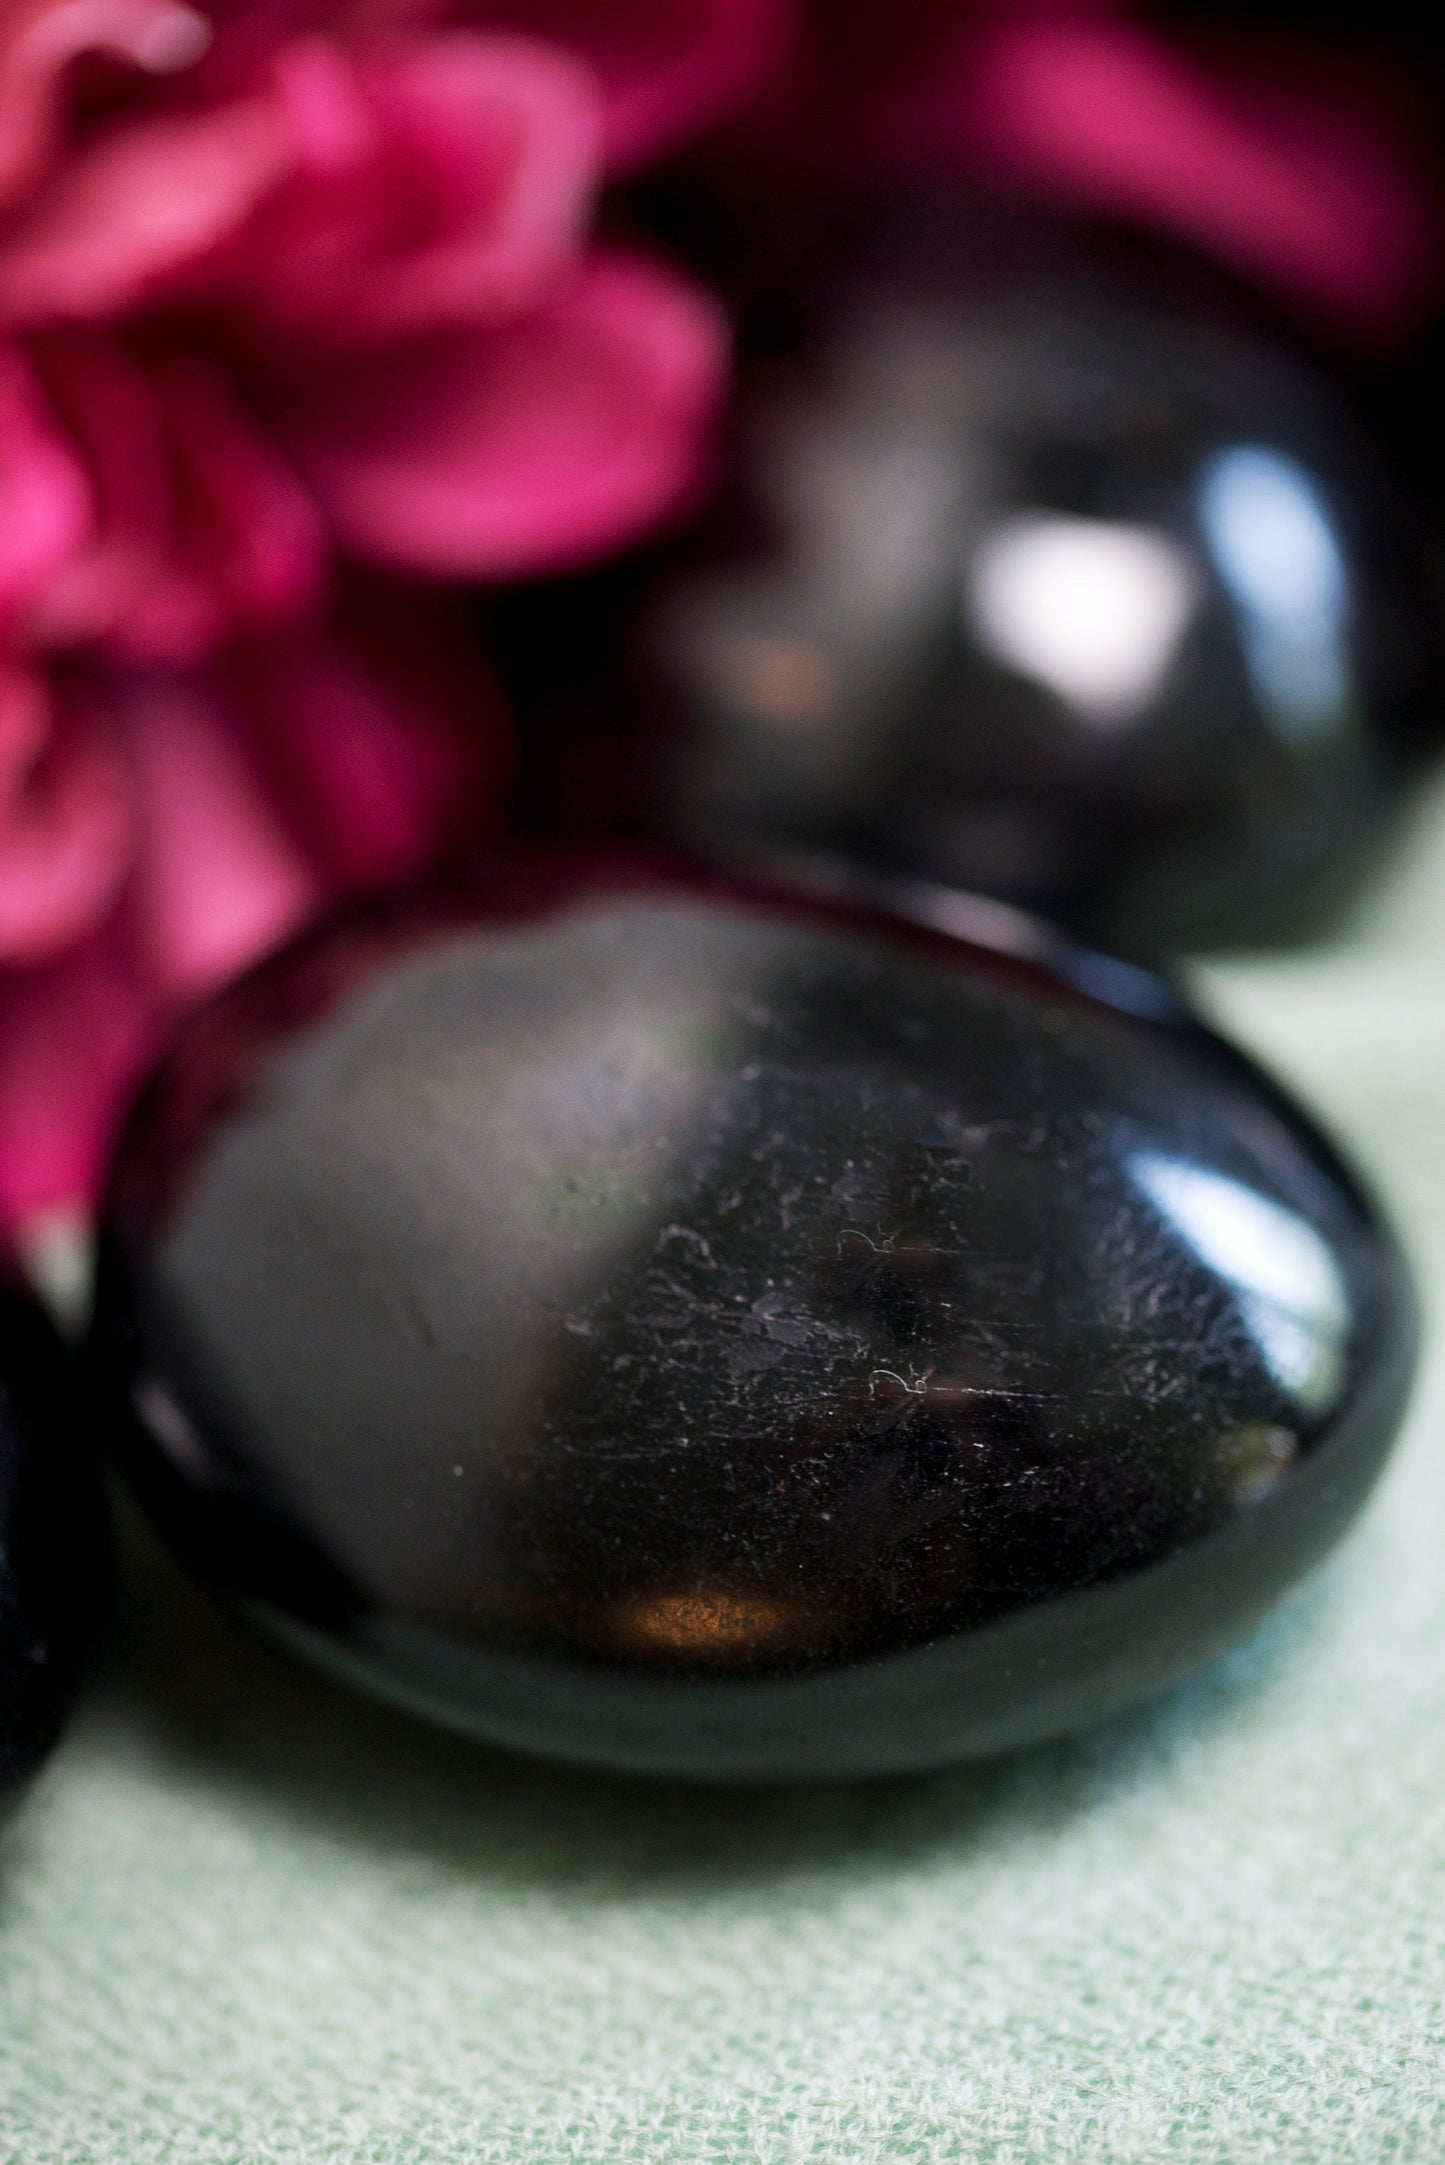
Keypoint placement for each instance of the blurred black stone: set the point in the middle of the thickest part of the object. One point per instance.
(54, 1565)
(1025, 577)
(654, 1322)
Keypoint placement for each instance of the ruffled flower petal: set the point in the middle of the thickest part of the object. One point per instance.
(524, 447)
(73, 1040)
(217, 885)
(329, 290)
(218, 879)
(41, 39)
(200, 529)
(112, 420)
(1296, 184)
(380, 736)
(442, 180)
(143, 203)
(667, 67)
(67, 828)
(246, 544)
(43, 490)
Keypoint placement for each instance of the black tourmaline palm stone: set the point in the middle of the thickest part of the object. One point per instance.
(54, 1572)
(671, 1326)
(1053, 589)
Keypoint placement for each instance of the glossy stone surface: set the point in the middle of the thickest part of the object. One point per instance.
(1047, 587)
(664, 1325)
(54, 1569)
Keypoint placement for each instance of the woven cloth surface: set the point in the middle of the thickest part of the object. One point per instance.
(247, 1919)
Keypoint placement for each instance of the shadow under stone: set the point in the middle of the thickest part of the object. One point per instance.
(194, 1686)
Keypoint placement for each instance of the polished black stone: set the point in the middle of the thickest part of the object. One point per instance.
(1042, 585)
(667, 1325)
(54, 1571)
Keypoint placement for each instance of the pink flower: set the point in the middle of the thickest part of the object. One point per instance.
(163, 827)
(1305, 166)
(1302, 172)
(375, 236)
(296, 285)
(667, 67)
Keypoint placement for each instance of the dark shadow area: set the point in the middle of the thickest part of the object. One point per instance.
(193, 1685)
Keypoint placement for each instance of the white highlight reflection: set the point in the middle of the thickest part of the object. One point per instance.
(1091, 608)
(1270, 535)
(1290, 1292)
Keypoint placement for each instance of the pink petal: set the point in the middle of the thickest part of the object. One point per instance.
(46, 503)
(381, 736)
(202, 528)
(249, 34)
(218, 880)
(668, 67)
(74, 1037)
(246, 544)
(443, 180)
(66, 823)
(1313, 198)
(144, 202)
(521, 448)
(375, 742)
(113, 421)
(26, 725)
(39, 41)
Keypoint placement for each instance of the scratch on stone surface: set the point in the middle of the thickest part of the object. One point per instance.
(914, 1390)
(422, 1323)
(686, 1232)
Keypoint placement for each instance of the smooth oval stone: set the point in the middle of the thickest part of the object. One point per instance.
(1051, 589)
(662, 1324)
(54, 1566)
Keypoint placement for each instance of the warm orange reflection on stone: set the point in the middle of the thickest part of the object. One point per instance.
(788, 682)
(711, 1625)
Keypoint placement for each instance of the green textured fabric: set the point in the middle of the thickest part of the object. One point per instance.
(248, 1919)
